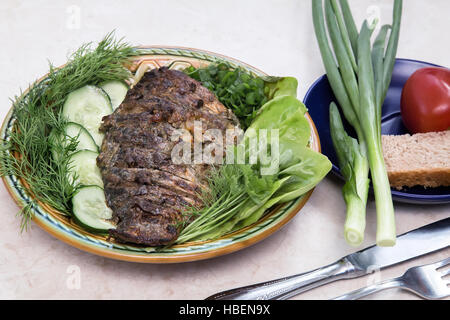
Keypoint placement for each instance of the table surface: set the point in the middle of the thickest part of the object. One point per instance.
(275, 36)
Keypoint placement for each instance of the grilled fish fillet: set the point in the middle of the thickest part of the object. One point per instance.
(145, 189)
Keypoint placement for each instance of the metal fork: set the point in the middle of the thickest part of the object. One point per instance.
(425, 281)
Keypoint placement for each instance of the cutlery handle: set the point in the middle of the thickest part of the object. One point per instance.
(285, 288)
(388, 284)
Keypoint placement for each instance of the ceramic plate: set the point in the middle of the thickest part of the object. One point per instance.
(64, 229)
(318, 100)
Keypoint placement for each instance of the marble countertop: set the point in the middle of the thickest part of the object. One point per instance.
(275, 36)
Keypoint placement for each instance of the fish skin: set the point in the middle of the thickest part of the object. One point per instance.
(145, 189)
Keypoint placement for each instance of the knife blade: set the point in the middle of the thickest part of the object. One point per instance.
(410, 245)
(413, 244)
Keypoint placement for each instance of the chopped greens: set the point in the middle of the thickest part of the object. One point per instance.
(236, 88)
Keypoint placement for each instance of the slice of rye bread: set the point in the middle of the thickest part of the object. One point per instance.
(420, 159)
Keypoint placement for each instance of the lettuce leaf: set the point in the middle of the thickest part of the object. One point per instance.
(298, 168)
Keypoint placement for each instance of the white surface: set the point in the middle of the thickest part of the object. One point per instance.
(275, 36)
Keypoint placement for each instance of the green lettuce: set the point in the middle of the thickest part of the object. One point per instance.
(298, 168)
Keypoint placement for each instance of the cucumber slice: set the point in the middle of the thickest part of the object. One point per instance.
(90, 209)
(85, 140)
(74, 130)
(116, 90)
(83, 165)
(87, 106)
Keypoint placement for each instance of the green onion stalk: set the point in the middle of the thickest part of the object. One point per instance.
(359, 75)
(354, 168)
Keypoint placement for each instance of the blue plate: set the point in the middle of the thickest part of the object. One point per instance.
(318, 99)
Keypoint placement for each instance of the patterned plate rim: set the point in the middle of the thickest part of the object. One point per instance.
(194, 251)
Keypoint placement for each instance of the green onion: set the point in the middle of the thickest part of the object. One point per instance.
(354, 168)
(369, 115)
(237, 89)
(344, 34)
(350, 25)
(360, 91)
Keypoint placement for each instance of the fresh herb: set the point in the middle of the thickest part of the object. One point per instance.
(240, 194)
(236, 88)
(27, 153)
(221, 201)
(360, 81)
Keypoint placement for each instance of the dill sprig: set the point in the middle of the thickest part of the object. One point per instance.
(26, 153)
(223, 199)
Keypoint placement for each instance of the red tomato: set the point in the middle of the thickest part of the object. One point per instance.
(425, 103)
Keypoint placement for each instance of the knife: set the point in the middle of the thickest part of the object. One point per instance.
(410, 245)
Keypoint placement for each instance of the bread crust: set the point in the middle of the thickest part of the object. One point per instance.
(430, 178)
(418, 160)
